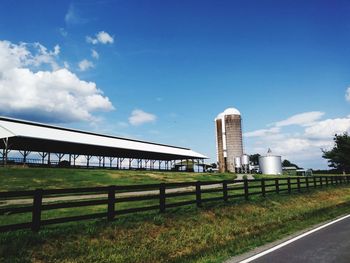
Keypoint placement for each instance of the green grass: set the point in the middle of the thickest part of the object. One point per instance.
(210, 234)
(23, 178)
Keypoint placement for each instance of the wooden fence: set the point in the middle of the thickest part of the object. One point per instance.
(163, 196)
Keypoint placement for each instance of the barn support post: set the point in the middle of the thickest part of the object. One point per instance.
(5, 151)
(104, 162)
(43, 156)
(130, 161)
(88, 157)
(153, 164)
(146, 162)
(139, 165)
(160, 165)
(121, 160)
(48, 158)
(110, 161)
(60, 156)
(25, 155)
(3, 156)
(70, 159)
(187, 169)
(117, 163)
(75, 157)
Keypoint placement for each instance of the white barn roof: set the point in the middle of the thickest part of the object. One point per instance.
(32, 136)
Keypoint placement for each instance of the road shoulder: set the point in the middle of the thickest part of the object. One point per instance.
(271, 245)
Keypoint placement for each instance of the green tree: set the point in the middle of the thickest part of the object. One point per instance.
(287, 163)
(339, 156)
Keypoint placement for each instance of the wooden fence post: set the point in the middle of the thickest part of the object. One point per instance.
(289, 186)
(162, 197)
(315, 184)
(348, 179)
(298, 183)
(246, 190)
(198, 194)
(263, 190)
(326, 180)
(307, 183)
(321, 181)
(277, 185)
(111, 203)
(36, 213)
(224, 190)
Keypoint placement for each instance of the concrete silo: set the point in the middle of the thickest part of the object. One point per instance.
(229, 143)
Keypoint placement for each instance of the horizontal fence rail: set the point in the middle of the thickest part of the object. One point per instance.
(163, 196)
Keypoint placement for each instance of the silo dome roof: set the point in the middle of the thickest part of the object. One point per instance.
(228, 111)
(220, 116)
(231, 111)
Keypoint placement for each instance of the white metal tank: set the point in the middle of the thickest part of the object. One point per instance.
(270, 164)
(245, 159)
(238, 163)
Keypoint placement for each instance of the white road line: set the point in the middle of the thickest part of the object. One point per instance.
(291, 240)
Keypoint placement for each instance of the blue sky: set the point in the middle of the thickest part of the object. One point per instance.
(163, 70)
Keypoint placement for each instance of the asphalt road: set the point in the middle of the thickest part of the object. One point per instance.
(330, 244)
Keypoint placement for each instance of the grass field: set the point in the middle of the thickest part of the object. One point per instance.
(23, 178)
(187, 234)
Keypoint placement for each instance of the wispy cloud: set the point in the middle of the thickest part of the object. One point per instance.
(94, 54)
(302, 119)
(262, 132)
(139, 117)
(73, 16)
(101, 37)
(85, 65)
(63, 32)
(347, 94)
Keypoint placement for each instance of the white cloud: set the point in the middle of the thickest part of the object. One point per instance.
(27, 55)
(262, 132)
(55, 95)
(347, 94)
(303, 119)
(328, 128)
(302, 146)
(94, 54)
(139, 117)
(101, 37)
(85, 65)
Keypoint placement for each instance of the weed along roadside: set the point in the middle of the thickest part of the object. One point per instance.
(132, 199)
